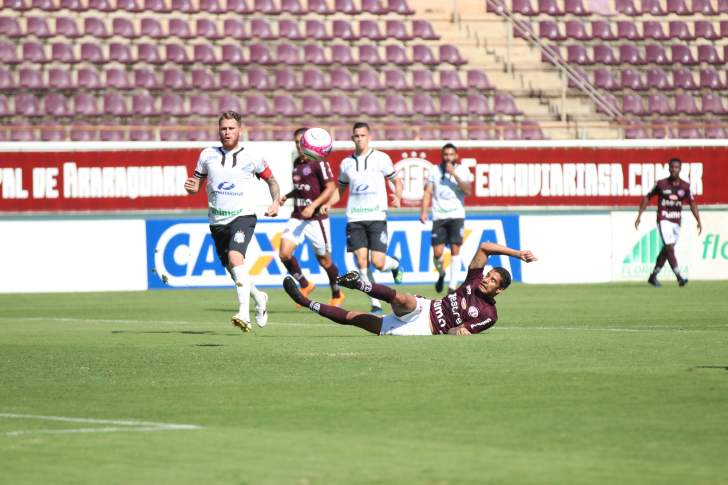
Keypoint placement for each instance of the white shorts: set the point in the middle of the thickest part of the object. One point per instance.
(669, 232)
(416, 322)
(316, 231)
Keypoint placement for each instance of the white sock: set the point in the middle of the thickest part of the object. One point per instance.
(390, 263)
(367, 276)
(242, 286)
(438, 264)
(454, 271)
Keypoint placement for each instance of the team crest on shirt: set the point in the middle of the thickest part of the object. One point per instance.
(239, 237)
(383, 238)
(306, 170)
(473, 312)
(680, 193)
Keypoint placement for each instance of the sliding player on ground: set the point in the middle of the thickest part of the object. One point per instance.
(469, 310)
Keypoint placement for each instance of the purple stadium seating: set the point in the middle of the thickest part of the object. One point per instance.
(552, 52)
(704, 6)
(88, 78)
(708, 55)
(229, 103)
(38, 26)
(91, 52)
(211, 6)
(715, 129)
(395, 29)
(129, 5)
(422, 54)
(396, 54)
(7, 80)
(578, 54)
(292, 7)
(682, 54)
(652, 7)
(507, 130)
(239, 7)
(10, 27)
(422, 29)
(30, 78)
(704, 30)
(397, 105)
(232, 54)
(52, 134)
(635, 129)
(185, 6)
(115, 105)
(373, 7)
(710, 79)
(146, 78)
(260, 54)
(34, 52)
(423, 80)
(203, 80)
(346, 6)
(575, 29)
(450, 105)
(315, 54)
(344, 30)
(340, 78)
(156, 6)
(685, 104)
(75, 5)
(204, 54)
(548, 29)
(64, 53)
(313, 105)
(207, 28)
(47, 5)
(56, 105)
(341, 105)
(235, 29)
(575, 7)
(288, 29)
(659, 104)
(369, 29)
(678, 7)
(627, 30)
(259, 79)
(626, 7)
(201, 104)
(369, 54)
(141, 133)
(260, 28)
(395, 79)
(22, 134)
(288, 54)
(95, 27)
(266, 7)
(341, 54)
(314, 79)
(123, 27)
(549, 7)
(653, 30)
(174, 78)
(176, 53)
(504, 104)
(316, 30)
(424, 104)
(683, 78)
(85, 105)
(319, 7)
(399, 7)
(285, 78)
(479, 131)
(151, 27)
(632, 104)
(143, 105)
(604, 79)
(688, 129)
(655, 54)
(149, 53)
(602, 29)
(368, 104)
(4, 107)
(398, 133)
(451, 80)
(231, 80)
(603, 54)
(662, 129)
(680, 30)
(368, 79)
(531, 130)
(451, 131)
(630, 54)
(478, 80)
(524, 7)
(83, 132)
(657, 79)
(478, 104)
(451, 55)
(579, 74)
(428, 132)
(173, 105)
(713, 103)
(118, 79)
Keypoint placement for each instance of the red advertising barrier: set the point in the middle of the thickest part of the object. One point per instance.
(565, 176)
(152, 179)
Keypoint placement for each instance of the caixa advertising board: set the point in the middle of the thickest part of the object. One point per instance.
(181, 252)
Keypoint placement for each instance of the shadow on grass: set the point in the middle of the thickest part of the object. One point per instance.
(179, 332)
(724, 367)
(209, 345)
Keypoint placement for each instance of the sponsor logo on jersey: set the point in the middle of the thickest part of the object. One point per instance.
(473, 312)
(225, 186)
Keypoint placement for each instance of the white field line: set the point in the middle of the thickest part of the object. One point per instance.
(121, 425)
(647, 328)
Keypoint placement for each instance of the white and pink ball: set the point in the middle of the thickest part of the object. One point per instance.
(316, 143)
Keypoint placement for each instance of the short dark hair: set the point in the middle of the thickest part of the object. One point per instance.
(300, 131)
(505, 276)
(448, 145)
(360, 124)
(230, 115)
(675, 160)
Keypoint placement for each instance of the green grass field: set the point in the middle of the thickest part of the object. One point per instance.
(575, 384)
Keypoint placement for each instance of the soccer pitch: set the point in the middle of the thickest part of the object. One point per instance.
(613, 383)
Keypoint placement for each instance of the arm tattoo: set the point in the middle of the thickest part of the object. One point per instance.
(275, 191)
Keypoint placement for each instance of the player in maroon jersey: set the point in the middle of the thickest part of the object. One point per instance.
(671, 192)
(313, 188)
(468, 310)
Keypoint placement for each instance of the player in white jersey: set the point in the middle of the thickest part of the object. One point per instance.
(231, 172)
(364, 172)
(447, 186)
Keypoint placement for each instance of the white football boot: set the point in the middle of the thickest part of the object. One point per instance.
(261, 310)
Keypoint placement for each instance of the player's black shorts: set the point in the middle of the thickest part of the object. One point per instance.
(366, 234)
(233, 236)
(448, 231)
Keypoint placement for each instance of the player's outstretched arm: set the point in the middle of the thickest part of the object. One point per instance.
(487, 248)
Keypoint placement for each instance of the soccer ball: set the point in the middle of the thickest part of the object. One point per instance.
(316, 143)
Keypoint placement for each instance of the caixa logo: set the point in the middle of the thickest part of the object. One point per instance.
(414, 170)
(182, 254)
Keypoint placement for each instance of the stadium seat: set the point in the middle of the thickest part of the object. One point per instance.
(577, 54)
(688, 129)
(174, 78)
(201, 104)
(313, 78)
(685, 104)
(680, 30)
(399, 7)
(655, 54)
(203, 80)
(29, 78)
(10, 27)
(285, 78)
(451, 131)
(396, 105)
(4, 107)
(704, 7)
(341, 105)
(428, 132)
(657, 79)
(139, 132)
(266, 7)
(234, 29)
(524, 7)
(451, 55)
(292, 7)
(396, 54)
(204, 54)
(423, 80)
(151, 27)
(422, 29)
(580, 74)
(531, 130)
(424, 104)
(129, 5)
(63, 53)
(477, 104)
(124, 27)
(549, 7)
(158, 6)
(478, 80)
(211, 6)
(34, 52)
(319, 7)
(712, 103)
(239, 7)
(662, 129)
(176, 54)
(505, 104)
(288, 29)
(149, 53)
(575, 29)
(56, 105)
(7, 80)
(678, 7)
(52, 134)
(451, 80)
(480, 131)
(313, 105)
(112, 133)
(91, 52)
(630, 54)
(316, 30)
(369, 54)
(146, 78)
(507, 130)
(22, 134)
(369, 29)
(88, 79)
(373, 7)
(143, 104)
(627, 30)
(185, 6)
(173, 105)
(228, 103)
(38, 27)
(682, 78)
(659, 104)
(395, 79)
(422, 54)
(652, 7)
(548, 29)
(232, 54)
(653, 30)
(47, 5)
(231, 80)
(206, 28)
(602, 29)
(261, 29)
(708, 55)
(315, 54)
(368, 104)
(575, 7)
(83, 132)
(95, 27)
(604, 78)
(603, 54)
(398, 132)
(682, 54)
(260, 54)
(635, 129)
(288, 54)
(395, 29)
(704, 30)
(710, 79)
(715, 129)
(258, 79)
(632, 104)
(368, 80)
(118, 79)
(346, 6)
(114, 105)
(626, 7)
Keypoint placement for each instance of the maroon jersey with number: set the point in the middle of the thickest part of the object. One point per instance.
(468, 306)
(309, 179)
(670, 199)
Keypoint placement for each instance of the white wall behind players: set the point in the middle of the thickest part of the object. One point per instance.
(72, 255)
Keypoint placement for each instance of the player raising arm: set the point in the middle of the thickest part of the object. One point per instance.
(468, 310)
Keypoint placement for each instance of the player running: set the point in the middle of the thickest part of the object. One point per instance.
(470, 309)
(313, 187)
(447, 186)
(230, 171)
(364, 172)
(671, 193)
